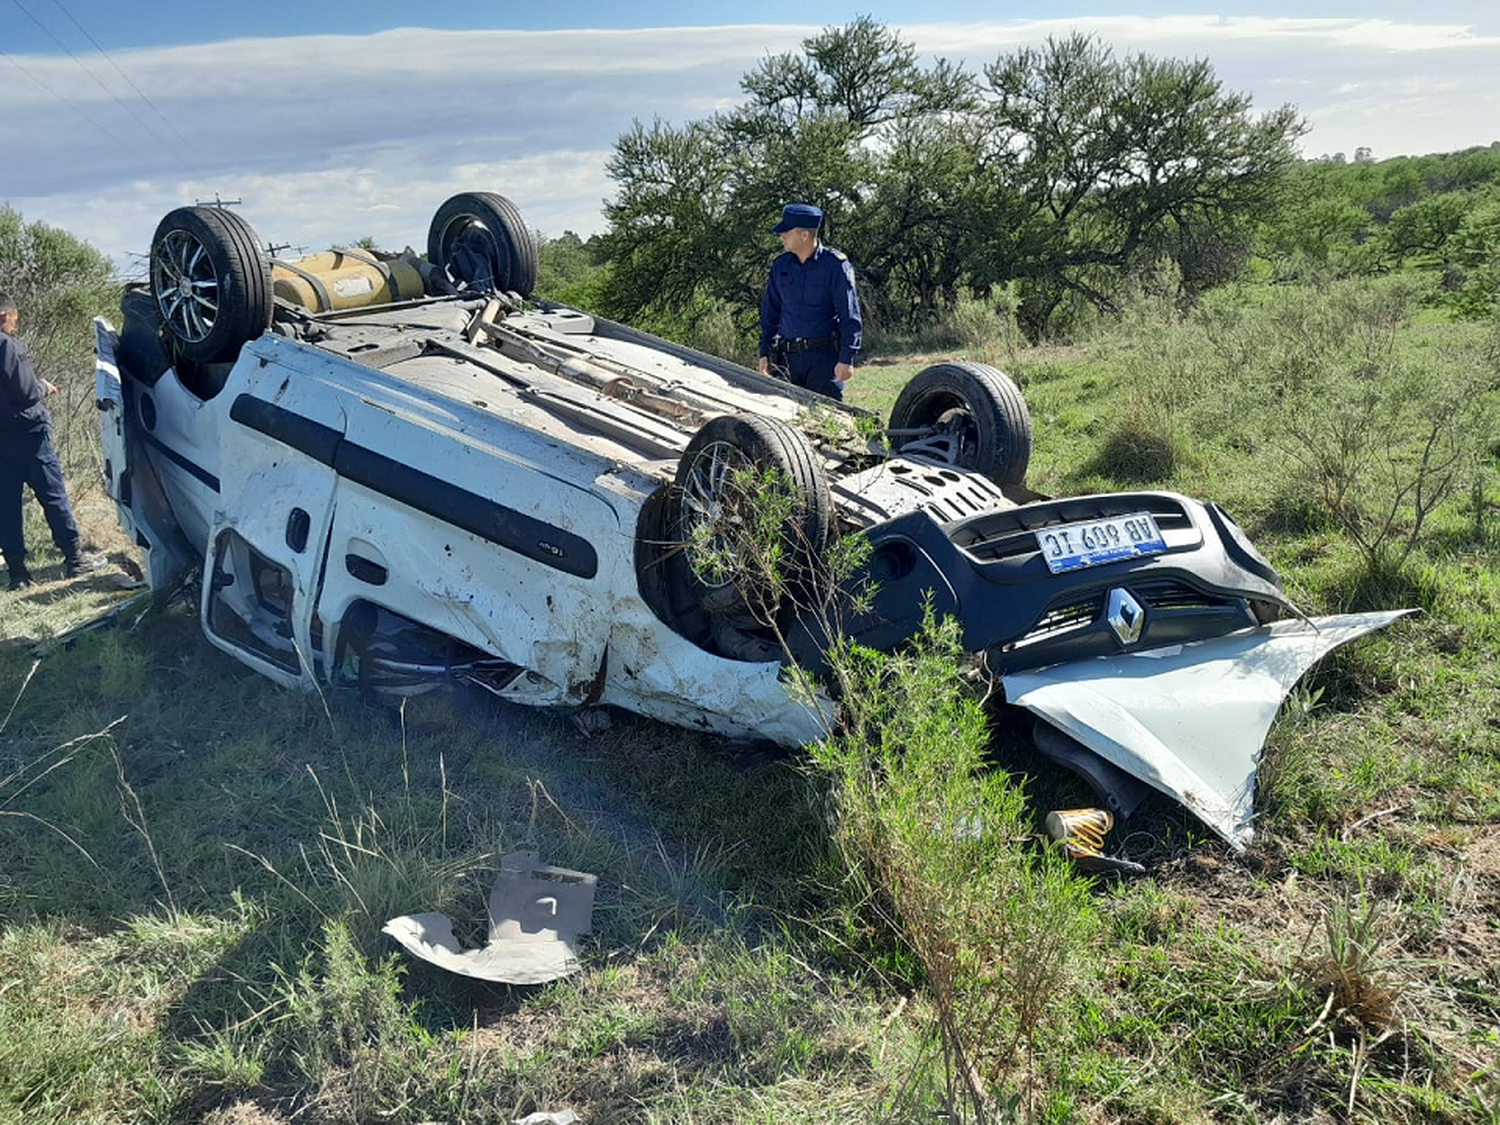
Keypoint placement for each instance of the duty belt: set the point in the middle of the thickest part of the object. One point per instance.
(804, 344)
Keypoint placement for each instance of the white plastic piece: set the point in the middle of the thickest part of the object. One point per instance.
(537, 914)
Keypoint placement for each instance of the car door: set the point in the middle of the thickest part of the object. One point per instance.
(480, 530)
(145, 511)
(267, 542)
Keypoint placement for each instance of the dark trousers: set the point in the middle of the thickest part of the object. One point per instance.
(814, 370)
(29, 459)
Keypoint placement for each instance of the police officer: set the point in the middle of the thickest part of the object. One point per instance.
(809, 315)
(27, 458)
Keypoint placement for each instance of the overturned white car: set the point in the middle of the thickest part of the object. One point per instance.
(390, 472)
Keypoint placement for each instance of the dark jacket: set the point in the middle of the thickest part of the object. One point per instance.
(22, 395)
(812, 299)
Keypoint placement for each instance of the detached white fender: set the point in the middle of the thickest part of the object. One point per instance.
(1190, 720)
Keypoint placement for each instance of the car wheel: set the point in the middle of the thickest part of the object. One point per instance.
(479, 240)
(719, 559)
(141, 353)
(211, 282)
(968, 415)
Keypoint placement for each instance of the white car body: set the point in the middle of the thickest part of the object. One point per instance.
(551, 609)
(472, 487)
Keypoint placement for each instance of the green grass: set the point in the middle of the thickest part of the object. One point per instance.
(195, 865)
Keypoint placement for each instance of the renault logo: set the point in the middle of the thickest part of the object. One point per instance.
(1125, 616)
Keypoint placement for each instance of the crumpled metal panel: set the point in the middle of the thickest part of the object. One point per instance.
(1190, 720)
(654, 671)
(537, 913)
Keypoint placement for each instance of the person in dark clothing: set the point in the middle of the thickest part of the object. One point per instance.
(810, 329)
(27, 458)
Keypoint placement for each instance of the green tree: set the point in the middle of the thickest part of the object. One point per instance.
(1341, 220)
(1473, 276)
(672, 227)
(929, 212)
(1424, 227)
(1116, 163)
(568, 270)
(863, 74)
(60, 284)
(1070, 171)
(839, 124)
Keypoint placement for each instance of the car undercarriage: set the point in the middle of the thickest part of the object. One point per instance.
(394, 472)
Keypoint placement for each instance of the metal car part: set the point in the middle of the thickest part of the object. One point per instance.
(1190, 720)
(1125, 616)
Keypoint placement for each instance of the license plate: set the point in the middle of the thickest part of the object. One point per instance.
(1073, 546)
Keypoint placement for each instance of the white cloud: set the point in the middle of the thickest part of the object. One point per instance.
(380, 196)
(329, 138)
(1173, 34)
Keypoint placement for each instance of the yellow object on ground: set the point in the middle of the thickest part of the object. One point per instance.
(1080, 831)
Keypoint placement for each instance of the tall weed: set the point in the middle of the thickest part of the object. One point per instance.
(1184, 379)
(1328, 387)
(714, 330)
(928, 829)
(985, 327)
(1379, 432)
(938, 834)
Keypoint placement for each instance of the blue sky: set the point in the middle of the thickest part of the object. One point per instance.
(139, 23)
(336, 120)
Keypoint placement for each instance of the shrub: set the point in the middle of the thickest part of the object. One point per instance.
(60, 284)
(984, 326)
(999, 929)
(1142, 448)
(1378, 434)
(343, 1027)
(714, 331)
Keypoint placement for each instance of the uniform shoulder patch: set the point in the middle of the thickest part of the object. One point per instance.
(839, 254)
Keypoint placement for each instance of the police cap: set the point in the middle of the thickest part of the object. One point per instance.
(795, 215)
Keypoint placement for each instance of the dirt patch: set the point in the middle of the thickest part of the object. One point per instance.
(244, 1113)
(1481, 856)
(99, 526)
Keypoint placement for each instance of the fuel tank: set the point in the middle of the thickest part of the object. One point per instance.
(345, 278)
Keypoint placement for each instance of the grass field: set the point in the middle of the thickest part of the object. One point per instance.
(195, 865)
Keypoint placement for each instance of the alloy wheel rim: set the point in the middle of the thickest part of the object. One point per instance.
(186, 286)
(705, 504)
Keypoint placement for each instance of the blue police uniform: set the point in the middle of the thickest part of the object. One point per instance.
(809, 313)
(28, 458)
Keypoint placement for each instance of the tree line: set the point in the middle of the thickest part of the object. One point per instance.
(1062, 173)
(1437, 213)
(1061, 169)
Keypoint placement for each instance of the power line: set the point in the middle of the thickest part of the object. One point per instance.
(165, 119)
(98, 82)
(59, 97)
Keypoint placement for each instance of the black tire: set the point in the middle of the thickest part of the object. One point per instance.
(977, 418)
(479, 239)
(699, 500)
(142, 354)
(211, 282)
